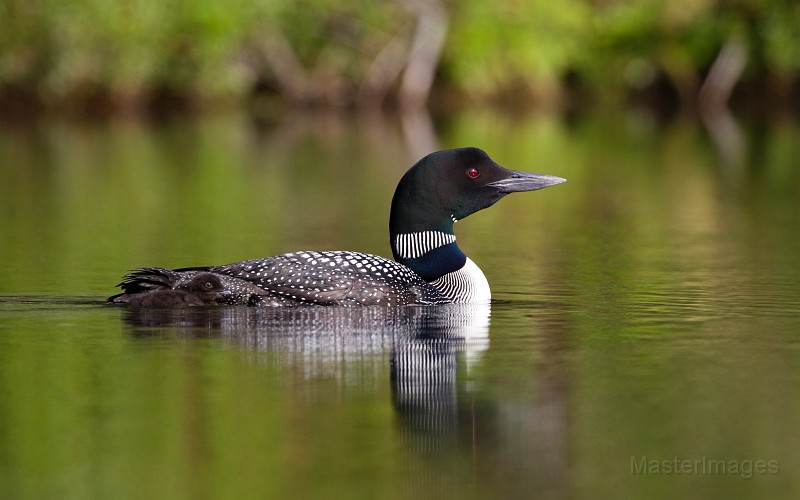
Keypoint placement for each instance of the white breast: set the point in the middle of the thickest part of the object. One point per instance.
(467, 285)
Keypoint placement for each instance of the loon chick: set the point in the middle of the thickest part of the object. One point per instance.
(157, 279)
(200, 289)
(429, 268)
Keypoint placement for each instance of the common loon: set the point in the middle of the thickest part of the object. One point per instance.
(429, 268)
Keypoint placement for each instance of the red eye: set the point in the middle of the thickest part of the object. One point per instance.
(473, 173)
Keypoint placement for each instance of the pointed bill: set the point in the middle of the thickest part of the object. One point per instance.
(525, 181)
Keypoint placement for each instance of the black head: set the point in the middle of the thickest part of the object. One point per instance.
(449, 185)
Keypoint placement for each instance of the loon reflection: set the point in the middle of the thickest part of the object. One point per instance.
(424, 344)
(319, 336)
(447, 420)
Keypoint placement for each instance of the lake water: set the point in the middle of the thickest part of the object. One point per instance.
(643, 340)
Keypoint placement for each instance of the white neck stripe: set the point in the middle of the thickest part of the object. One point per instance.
(413, 245)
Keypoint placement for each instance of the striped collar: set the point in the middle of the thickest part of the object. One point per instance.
(415, 245)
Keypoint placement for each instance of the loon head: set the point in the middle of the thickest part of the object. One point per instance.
(207, 286)
(440, 189)
(447, 186)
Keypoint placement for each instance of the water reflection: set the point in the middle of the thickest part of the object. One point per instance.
(320, 338)
(432, 351)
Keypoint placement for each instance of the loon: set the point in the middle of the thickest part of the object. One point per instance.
(428, 267)
(201, 289)
(159, 287)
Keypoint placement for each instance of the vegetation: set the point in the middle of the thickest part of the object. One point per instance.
(128, 54)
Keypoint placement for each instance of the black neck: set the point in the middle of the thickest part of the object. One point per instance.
(435, 263)
(430, 252)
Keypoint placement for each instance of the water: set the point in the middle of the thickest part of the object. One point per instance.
(643, 341)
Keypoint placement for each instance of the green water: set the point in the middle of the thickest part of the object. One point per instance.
(643, 341)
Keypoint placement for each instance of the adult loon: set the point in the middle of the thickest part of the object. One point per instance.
(429, 268)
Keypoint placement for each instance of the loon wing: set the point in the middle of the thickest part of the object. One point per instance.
(143, 280)
(146, 279)
(333, 278)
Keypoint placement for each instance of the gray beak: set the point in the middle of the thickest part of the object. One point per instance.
(525, 181)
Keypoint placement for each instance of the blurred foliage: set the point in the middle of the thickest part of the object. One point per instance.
(129, 52)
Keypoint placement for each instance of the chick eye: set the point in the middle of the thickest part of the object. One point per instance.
(473, 173)
(208, 285)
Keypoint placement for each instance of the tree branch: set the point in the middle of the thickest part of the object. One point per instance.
(426, 49)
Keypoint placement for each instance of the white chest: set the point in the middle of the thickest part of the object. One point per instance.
(467, 285)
